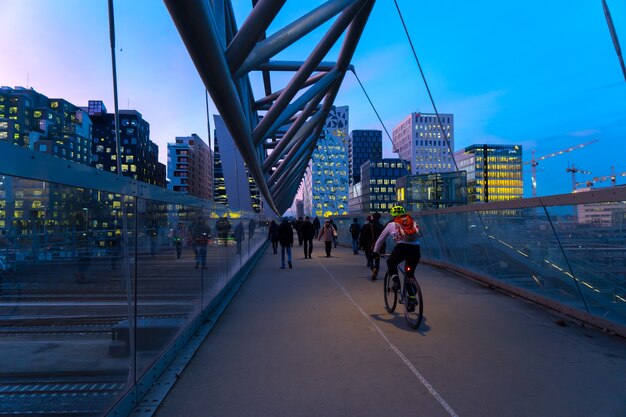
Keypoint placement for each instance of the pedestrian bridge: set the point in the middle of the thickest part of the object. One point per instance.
(525, 308)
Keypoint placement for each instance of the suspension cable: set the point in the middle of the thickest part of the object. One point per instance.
(430, 96)
(371, 104)
(408, 167)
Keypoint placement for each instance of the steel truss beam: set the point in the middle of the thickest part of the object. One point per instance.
(224, 56)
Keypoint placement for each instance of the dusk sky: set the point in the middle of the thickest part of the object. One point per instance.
(542, 74)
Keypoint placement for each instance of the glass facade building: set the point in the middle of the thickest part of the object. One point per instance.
(365, 145)
(329, 173)
(432, 191)
(29, 119)
(378, 184)
(52, 126)
(234, 187)
(139, 155)
(494, 172)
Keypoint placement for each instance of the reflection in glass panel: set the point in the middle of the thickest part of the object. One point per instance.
(84, 271)
(593, 238)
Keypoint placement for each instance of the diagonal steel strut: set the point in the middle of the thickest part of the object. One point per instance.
(224, 57)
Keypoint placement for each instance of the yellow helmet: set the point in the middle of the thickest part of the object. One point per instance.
(397, 211)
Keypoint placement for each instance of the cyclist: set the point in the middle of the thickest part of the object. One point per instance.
(405, 233)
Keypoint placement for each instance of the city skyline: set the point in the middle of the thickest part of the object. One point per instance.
(554, 82)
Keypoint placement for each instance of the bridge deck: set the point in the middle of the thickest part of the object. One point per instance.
(316, 341)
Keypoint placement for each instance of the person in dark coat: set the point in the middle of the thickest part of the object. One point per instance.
(308, 233)
(355, 232)
(365, 240)
(285, 237)
(316, 225)
(369, 235)
(201, 232)
(251, 228)
(298, 227)
(272, 236)
(223, 229)
(239, 235)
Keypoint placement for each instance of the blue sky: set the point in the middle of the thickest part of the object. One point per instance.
(543, 74)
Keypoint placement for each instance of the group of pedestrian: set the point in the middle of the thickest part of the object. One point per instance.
(370, 238)
(306, 230)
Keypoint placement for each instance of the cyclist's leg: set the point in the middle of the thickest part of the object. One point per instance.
(412, 257)
(392, 265)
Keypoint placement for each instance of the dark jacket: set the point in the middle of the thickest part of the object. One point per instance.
(273, 232)
(285, 234)
(308, 231)
(239, 235)
(369, 235)
(355, 230)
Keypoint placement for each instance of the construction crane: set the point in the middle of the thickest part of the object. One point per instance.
(612, 177)
(534, 162)
(574, 170)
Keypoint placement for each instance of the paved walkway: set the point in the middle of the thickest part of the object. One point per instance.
(316, 341)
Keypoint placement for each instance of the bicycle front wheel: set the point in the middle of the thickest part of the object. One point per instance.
(391, 296)
(413, 307)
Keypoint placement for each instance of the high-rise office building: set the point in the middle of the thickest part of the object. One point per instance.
(190, 166)
(328, 176)
(494, 172)
(53, 126)
(233, 184)
(139, 155)
(425, 142)
(365, 145)
(377, 189)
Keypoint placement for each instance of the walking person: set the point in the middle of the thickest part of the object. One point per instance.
(365, 238)
(298, 227)
(201, 233)
(355, 232)
(308, 233)
(335, 234)
(328, 233)
(369, 235)
(239, 235)
(251, 228)
(316, 225)
(272, 236)
(177, 239)
(285, 237)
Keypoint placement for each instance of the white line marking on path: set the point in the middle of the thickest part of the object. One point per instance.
(404, 359)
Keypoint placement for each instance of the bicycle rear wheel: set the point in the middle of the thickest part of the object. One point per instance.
(413, 307)
(391, 296)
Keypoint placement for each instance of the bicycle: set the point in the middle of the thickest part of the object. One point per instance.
(413, 306)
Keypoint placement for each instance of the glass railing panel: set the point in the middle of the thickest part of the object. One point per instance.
(168, 286)
(96, 284)
(458, 238)
(528, 254)
(61, 291)
(595, 249)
